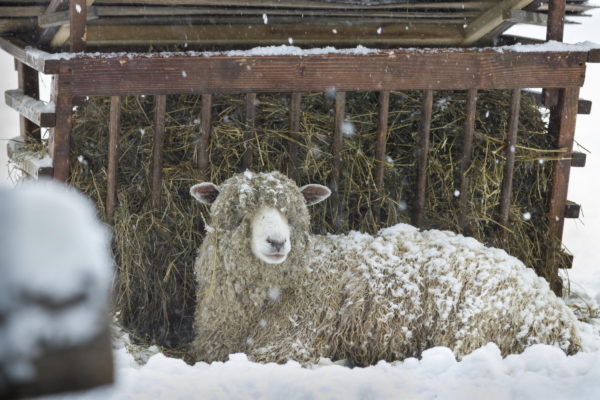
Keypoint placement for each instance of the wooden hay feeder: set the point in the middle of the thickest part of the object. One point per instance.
(112, 26)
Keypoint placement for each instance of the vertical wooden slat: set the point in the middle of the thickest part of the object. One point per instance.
(336, 152)
(380, 145)
(295, 112)
(465, 162)
(422, 159)
(562, 126)
(554, 31)
(249, 133)
(77, 24)
(60, 136)
(204, 140)
(29, 83)
(114, 130)
(510, 143)
(160, 108)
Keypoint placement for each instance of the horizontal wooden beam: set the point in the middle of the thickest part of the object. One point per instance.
(525, 17)
(578, 159)
(31, 164)
(13, 25)
(37, 111)
(36, 59)
(304, 4)
(62, 18)
(409, 33)
(389, 70)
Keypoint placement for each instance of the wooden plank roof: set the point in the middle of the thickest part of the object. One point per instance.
(246, 23)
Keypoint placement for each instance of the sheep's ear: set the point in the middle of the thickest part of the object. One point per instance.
(314, 194)
(205, 192)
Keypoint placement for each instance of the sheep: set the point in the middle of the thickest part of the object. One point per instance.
(270, 289)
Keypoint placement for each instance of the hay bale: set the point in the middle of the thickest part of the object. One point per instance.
(154, 250)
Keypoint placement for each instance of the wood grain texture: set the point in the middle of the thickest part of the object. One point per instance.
(32, 110)
(562, 127)
(295, 113)
(59, 143)
(114, 132)
(249, 131)
(38, 60)
(77, 25)
(380, 146)
(422, 158)
(465, 160)
(396, 70)
(160, 108)
(202, 152)
(510, 151)
(336, 158)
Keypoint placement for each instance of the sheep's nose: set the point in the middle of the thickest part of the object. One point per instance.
(276, 244)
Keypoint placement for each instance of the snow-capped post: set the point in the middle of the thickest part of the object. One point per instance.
(466, 154)
(77, 25)
(114, 131)
(422, 157)
(56, 274)
(510, 152)
(381, 140)
(160, 107)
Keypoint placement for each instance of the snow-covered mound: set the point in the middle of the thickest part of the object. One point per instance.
(55, 274)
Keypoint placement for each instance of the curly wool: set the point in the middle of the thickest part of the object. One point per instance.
(359, 297)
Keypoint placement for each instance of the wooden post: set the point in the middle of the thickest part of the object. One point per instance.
(380, 145)
(423, 154)
(160, 108)
(510, 143)
(250, 131)
(77, 25)
(29, 83)
(59, 143)
(562, 127)
(114, 130)
(295, 112)
(465, 162)
(336, 150)
(554, 31)
(204, 140)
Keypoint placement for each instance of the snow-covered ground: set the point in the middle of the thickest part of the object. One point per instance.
(540, 372)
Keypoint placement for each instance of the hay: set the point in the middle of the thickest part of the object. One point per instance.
(154, 250)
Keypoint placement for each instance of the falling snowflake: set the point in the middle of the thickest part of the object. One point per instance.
(527, 216)
(456, 193)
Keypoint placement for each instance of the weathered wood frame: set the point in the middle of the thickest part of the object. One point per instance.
(423, 70)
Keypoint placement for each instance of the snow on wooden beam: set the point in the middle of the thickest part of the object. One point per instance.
(37, 111)
(453, 69)
(31, 164)
(489, 20)
(36, 59)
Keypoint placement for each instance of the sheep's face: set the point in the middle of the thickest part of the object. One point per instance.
(265, 214)
(271, 240)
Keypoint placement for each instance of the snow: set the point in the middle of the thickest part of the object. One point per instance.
(540, 372)
(56, 273)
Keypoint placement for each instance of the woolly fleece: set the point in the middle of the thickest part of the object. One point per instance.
(358, 297)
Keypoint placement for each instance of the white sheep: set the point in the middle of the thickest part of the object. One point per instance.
(270, 289)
